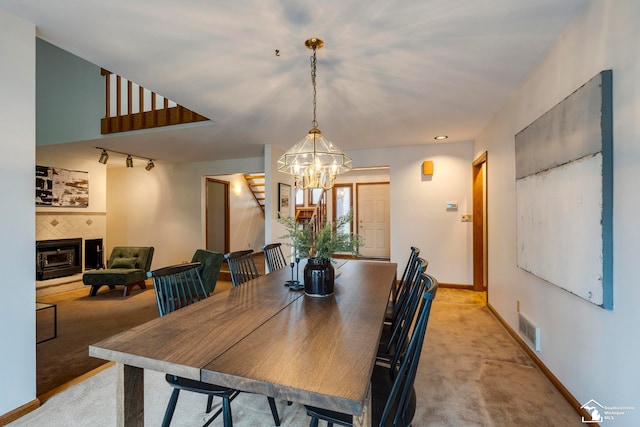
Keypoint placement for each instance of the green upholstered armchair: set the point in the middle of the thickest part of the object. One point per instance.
(210, 264)
(127, 266)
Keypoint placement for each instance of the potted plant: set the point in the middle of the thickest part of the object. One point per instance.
(318, 247)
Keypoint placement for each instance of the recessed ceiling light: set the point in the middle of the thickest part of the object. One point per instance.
(441, 137)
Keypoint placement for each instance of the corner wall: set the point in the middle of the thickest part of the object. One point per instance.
(592, 351)
(17, 212)
(418, 205)
(164, 207)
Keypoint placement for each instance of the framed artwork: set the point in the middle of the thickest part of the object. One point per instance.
(284, 200)
(61, 187)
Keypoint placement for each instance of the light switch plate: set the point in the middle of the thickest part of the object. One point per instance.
(467, 218)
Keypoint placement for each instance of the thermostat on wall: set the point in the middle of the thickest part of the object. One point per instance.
(452, 206)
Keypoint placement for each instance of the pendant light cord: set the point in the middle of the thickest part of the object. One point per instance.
(314, 123)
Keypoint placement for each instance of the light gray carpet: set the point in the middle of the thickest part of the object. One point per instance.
(472, 373)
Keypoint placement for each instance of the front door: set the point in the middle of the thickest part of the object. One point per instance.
(373, 219)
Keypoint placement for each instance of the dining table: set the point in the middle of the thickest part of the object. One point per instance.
(261, 337)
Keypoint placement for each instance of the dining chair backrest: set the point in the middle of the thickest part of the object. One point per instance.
(209, 270)
(273, 256)
(406, 285)
(177, 286)
(406, 314)
(412, 257)
(404, 373)
(242, 267)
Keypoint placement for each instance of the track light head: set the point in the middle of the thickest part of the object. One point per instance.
(104, 157)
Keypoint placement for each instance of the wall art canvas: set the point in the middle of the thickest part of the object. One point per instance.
(564, 193)
(284, 200)
(61, 187)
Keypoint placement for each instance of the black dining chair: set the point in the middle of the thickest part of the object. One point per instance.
(176, 287)
(395, 336)
(393, 398)
(399, 292)
(242, 267)
(273, 256)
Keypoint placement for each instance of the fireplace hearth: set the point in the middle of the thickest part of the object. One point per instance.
(58, 258)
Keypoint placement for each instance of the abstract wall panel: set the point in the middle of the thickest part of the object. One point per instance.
(564, 193)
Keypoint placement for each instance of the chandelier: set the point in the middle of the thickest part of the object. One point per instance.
(315, 161)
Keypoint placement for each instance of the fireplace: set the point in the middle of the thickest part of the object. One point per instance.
(58, 258)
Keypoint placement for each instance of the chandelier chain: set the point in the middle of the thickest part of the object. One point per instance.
(314, 123)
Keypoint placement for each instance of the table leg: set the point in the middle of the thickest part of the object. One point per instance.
(130, 396)
(364, 420)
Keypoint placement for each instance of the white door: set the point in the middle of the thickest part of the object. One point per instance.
(373, 219)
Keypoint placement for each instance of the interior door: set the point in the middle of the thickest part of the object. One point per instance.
(373, 219)
(480, 252)
(217, 215)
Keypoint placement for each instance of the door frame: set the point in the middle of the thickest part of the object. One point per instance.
(479, 172)
(227, 227)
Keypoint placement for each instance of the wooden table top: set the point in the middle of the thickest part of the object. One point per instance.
(263, 338)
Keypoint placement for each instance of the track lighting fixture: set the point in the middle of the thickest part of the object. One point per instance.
(104, 156)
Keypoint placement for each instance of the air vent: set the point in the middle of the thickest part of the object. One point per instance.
(529, 330)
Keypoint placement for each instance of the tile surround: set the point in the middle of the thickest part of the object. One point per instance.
(69, 225)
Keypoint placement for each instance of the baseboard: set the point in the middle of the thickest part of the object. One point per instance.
(19, 412)
(546, 371)
(455, 286)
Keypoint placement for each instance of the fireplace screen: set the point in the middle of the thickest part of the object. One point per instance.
(58, 258)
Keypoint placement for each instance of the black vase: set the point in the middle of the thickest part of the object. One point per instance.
(319, 276)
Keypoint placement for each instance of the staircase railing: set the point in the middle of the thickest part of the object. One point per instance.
(135, 107)
(256, 184)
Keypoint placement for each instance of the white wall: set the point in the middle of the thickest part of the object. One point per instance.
(164, 207)
(591, 350)
(70, 96)
(273, 229)
(418, 213)
(17, 121)
(246, 220)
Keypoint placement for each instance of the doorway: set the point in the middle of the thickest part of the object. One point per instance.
(480, 255)
(217, 215)
(373, 219)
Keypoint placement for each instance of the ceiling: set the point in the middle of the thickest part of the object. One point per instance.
(389, 74)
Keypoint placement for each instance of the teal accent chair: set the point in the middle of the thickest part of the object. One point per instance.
(127, 266)
(210, 264)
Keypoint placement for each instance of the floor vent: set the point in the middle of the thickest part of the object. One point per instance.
(529, 330)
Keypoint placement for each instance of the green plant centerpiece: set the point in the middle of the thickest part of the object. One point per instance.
(318, 246)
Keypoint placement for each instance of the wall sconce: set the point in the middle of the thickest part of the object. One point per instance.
(104, 156)
(427, 167)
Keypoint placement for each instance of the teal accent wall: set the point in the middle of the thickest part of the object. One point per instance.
(70, 96)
